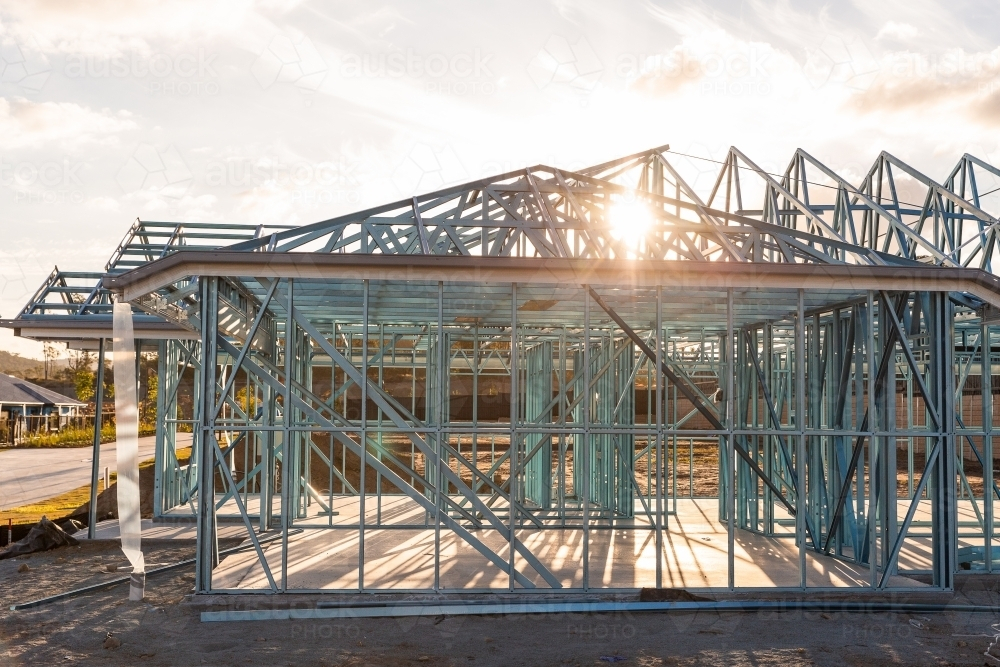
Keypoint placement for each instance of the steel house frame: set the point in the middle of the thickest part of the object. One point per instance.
(811, 331)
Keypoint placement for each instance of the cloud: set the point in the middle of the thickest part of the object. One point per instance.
(827, 60)
(563, 62)
(987, 109)
(902, 96)
(199, 208)
(938, 23)
(963, 83)
(900, 32)
(269, 203)
(25, 123)
(103, 204)
(711, 59)
(107, 27)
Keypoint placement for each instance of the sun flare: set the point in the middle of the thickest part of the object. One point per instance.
(630, 222)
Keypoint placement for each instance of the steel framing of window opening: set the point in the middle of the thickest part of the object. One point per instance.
(603, 398)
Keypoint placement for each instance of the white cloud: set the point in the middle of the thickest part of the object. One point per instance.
(269, 203)
(897, 31)
(23, 64)
(103, 204)
(107, 27)
(25, 123)
(155, 169)
(290, 58)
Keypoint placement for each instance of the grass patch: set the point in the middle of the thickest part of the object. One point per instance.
(64, 504)
(77, 437)
(54, 508)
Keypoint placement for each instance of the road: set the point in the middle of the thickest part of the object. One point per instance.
(31, 475)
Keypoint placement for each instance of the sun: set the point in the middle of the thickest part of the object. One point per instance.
(630, 221)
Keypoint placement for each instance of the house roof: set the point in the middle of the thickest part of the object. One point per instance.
(21, 392)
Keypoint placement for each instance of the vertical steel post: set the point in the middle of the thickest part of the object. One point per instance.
(731, 468)
(886, 447)
(768, 353)
(659, 434)
(837, 359)
(95, 460)
(944, 505)
(440, 480)
(870, 508)
(584, 494)
(801, 497)
(267, 457)
(381, 383)
(512, 447)
(287, 451)
(207, 557)
(986, 386)
(814, 410)
(363, 466)
(563, 404)
(303, 460)
(475, 405)
(160, 450)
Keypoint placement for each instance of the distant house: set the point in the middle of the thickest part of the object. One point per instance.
(20, 398)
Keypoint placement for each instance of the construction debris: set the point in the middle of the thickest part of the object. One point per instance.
(43, 536)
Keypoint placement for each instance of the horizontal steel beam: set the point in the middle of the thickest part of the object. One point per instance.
(615, 273)
(91, 328)
(518, 607)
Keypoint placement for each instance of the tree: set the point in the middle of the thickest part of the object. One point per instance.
(81, 360)
(84, 379)
(51, 353)
(149, 403)
(84, 383)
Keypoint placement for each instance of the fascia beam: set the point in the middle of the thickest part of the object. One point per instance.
(622, 273)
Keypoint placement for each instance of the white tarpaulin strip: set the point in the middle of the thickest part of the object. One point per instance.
(127, 435)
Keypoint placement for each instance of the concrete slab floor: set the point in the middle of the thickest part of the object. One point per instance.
(324, 555)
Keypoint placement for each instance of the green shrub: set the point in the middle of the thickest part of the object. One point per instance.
(75, 437)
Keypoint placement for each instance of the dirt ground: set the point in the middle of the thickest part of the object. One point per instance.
(165, 629)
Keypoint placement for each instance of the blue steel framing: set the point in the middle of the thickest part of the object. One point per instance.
(798, 376)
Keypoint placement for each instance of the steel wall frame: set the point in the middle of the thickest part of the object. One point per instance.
(806, 434)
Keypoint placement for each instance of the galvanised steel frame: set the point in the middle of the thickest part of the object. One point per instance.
(638, 372)
(594, 436)
(797, 336)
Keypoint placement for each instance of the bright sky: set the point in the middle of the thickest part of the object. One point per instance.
(293, 112)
